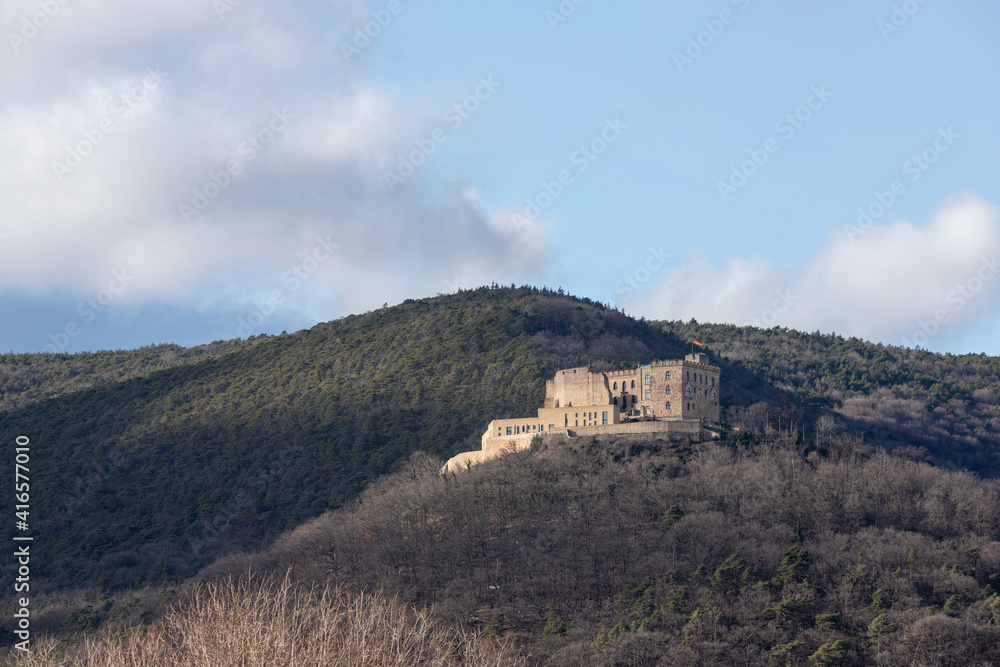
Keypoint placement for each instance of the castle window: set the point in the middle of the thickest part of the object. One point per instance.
(713, 382)
(551, 426)
(510, 430)
(605, 417)
(668, 376)
(647, 394)
(668, 391)
(616, 386)
(577, 422)
(713, 397)
(615, 401)
(633, 400)
(669, 407)
(633, 384)
(566, 418)
(649, 379)
(688, 392)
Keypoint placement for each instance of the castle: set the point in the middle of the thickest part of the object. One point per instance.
(664, 397)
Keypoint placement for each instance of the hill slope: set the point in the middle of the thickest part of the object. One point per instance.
(887, 395)
(149, 464)
(613, 552)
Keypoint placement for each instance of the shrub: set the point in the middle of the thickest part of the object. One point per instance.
(274, 622)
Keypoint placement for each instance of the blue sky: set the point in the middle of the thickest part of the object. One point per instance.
(190, 170)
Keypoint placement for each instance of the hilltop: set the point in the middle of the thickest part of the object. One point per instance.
(150, 464)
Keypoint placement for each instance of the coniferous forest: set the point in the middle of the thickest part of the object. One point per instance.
(849, 515)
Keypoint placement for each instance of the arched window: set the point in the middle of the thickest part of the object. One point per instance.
(633, 400)
(668, 376)
(688, 392)
(669, 407)
(668, 390)
(616, 400)
(713, 397)
(633, 384)
(616, 386)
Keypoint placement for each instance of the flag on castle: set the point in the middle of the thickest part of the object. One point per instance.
(698, 343)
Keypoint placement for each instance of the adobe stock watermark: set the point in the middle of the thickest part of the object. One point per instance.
(582, 158)
(785, 301)
(562, 13)
(786, 126)
(246, 152)
(914, 168)
(87, 311)
(714, 28)
(957, 299)
(224, 7)
(123, 108)
(900, 16)
(295, 276)
(638, 278)
(364, 35)
(32, 24)
(454, 116)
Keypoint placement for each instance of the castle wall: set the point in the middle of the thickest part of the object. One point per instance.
(674, 397)
(494, 447)
(647, 391)
(681, 427)
(549, 419)
(575, 387)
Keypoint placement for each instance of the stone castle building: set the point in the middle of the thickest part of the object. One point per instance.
(664, 397)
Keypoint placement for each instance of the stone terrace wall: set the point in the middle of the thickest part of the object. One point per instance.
(498, 446)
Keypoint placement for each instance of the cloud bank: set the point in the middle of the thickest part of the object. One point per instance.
(901, 283)
(215, 156)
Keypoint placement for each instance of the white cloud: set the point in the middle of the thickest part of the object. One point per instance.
(899, 283)
(322, 176)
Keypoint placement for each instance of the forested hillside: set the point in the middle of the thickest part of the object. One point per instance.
(761, 552)
(890, 396)
(149, 464)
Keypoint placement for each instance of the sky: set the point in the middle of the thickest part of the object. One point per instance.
(184, 171)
